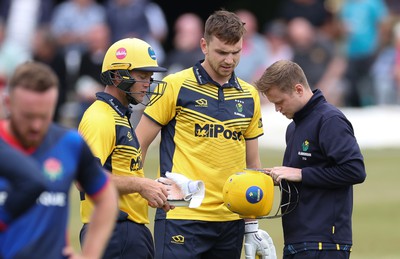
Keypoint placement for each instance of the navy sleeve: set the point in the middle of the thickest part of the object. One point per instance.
(25, 181)
(91, 175)
(345, 163)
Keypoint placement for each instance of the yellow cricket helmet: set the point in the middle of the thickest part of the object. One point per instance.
(131, 54)
(249, 194)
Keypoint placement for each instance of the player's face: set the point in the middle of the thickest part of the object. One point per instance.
(140, 88)
(31, 114)
(286, 103)
(221, 58)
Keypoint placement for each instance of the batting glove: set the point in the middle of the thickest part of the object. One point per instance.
(257, 242)
(193, 191)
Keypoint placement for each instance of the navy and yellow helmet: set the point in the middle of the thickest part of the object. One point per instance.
(249, 194)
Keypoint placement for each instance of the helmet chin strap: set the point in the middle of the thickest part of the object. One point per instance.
(131, 99)
(124, 87)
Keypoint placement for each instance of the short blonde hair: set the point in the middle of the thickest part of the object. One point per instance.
(284, 74)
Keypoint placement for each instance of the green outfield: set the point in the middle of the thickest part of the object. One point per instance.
(376, 216)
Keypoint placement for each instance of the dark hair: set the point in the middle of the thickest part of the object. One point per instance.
(224, 25)
(34, 76)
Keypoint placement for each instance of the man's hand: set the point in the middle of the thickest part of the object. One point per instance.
(185, 189)
(257, 242)
(154, 192)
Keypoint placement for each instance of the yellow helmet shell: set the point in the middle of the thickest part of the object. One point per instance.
(249, 194)
(129, 54)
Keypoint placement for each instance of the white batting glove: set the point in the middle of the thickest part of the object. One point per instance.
(257, 242)
(193, 191)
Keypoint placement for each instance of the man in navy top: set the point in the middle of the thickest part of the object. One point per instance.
(322, 158)
(63, 157)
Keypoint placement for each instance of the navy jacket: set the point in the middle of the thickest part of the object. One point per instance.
(320, 140)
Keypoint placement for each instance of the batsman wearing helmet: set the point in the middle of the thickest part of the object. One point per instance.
(127, 72)
(210, 121)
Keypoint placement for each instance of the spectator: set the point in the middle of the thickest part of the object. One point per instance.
(98, 41)
(186, 48)
(275, 33)
(313, 11)
(11, 53)
(71, 22)
(317, 57)
(363, 21)
(396, 91)
(46, 50)
(23, 18)
(255, 50)
(142, 19)
(9, 60)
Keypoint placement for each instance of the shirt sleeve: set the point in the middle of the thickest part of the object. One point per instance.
(91, 175)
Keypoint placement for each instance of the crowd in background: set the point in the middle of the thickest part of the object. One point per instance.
(350, 49)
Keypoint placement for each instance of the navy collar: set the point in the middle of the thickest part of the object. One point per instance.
(315, 99)
(203, 78)
(114, 103)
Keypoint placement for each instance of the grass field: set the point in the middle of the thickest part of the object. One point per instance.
(376, 215)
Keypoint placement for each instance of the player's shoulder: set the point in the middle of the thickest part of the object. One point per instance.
(180, 75)
(97, 109)
(99, 113)
(246, 85)
(58, 130)
(248, 88)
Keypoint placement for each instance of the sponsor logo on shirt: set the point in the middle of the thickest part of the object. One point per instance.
(52, 168)
(304, 147)
(201, 103)
(260, 123)
(178, 239)
(3, 197)
(129, 136)
(239, 108)
(216, 131)
(52, 199)
(136, 163)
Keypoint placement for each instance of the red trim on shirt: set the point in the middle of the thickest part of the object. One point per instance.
(9, 139)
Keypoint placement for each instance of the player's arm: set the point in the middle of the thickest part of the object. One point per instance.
(154, 192)
(26, 184)
(146, 131)
(252, 154)
(102, 221)
(97, 184)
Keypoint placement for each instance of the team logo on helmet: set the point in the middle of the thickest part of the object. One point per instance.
(254, 194)
(152, 54)
(121, 53)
